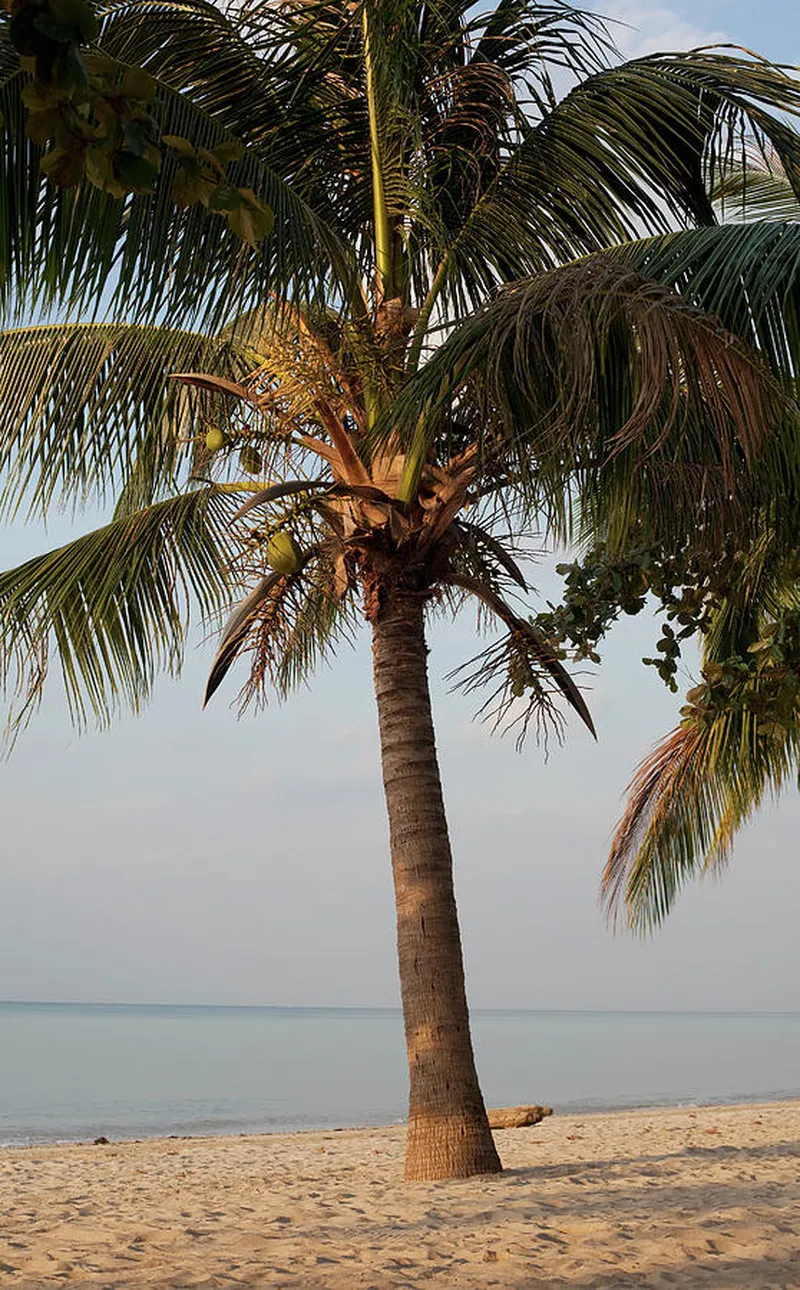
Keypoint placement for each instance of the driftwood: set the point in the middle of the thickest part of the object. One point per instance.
(517, 1117)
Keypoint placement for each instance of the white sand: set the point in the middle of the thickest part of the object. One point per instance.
(678, 1198)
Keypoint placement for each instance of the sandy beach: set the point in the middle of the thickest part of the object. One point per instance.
(678, 1198)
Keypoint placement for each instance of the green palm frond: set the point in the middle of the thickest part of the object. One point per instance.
(757, 193)
(86, 410)
(596, 364)
(467, 86)
(276, 78)
(746, 275)
(496, 186)
(113, 607)
(79, 247)
(196, 46)
(686, 803)
(633, 149)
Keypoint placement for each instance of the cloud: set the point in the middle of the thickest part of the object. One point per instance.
(649, 29)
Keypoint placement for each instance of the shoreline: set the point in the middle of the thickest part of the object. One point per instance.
(662, 1197)
(758, 1099)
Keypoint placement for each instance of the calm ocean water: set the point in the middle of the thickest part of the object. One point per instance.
(74, 1071)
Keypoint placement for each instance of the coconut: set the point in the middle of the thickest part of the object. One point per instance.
(215, 439)
(283, 553)
(250, 460)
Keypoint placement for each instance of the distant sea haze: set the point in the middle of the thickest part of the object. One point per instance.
(73, 1072)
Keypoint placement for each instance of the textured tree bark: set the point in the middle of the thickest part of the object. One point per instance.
(448, 1131)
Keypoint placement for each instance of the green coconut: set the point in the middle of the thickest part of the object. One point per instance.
(250, 460)
(283, 553)
(215, 439)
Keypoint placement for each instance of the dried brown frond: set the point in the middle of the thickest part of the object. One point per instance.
(504, 710)
(528, 643)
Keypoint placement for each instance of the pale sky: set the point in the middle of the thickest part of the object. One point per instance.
(189, 857)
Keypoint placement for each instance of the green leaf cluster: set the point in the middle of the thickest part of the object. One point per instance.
(685, 585)
(103, 131)
(764, 681)
(96, 114)
(201, 177)
(50, 33)
(738, 739)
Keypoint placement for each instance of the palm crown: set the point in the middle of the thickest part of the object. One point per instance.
(487, 303)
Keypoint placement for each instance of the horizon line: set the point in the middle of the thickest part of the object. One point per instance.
(393, 1008)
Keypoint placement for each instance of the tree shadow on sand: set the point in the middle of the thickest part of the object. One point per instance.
(647, 1163)
(723, 1274)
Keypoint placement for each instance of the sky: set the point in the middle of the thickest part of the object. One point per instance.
(193, 857)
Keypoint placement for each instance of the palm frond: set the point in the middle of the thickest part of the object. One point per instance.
(738, 742)
(287, 626)
(686, 802)
(200, 48)
(476, 538)
(324, 620)
(597, 365)
(235, 632)
(81, 247)
(86, 410)
(276, 77)
(276, 491)
(527, 641)
(112, 607)
(748, 276)
(632, 150)
(757, 193)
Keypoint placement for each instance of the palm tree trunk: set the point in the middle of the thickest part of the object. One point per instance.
(448, 1132)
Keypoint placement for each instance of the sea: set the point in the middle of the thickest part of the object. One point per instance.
(74, 1072)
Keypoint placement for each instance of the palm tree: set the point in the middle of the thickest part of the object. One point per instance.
(360, 418)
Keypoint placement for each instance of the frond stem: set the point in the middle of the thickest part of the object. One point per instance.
(383, 231)
(426, 309)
